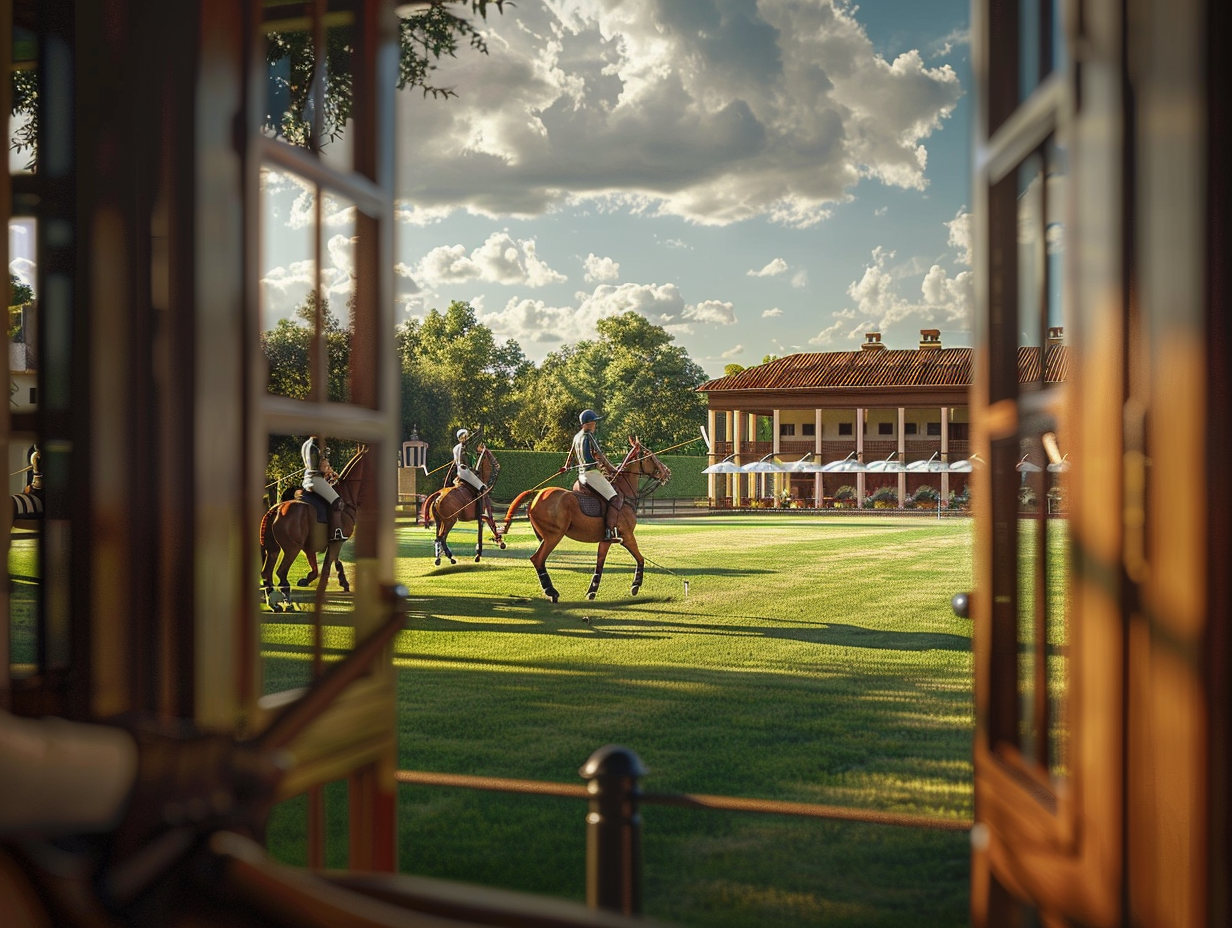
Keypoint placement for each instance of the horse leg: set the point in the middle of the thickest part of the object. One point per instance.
(342, 577)
(540, 559)
(478, 538)
(284, 583)
(267, 579)
(630, 543)
(594, 581)
(312, 569)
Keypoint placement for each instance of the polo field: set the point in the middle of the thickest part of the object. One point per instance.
(811, 660)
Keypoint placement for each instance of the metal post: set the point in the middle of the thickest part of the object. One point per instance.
(614, 830)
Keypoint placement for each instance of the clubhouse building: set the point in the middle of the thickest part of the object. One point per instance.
(871, 404)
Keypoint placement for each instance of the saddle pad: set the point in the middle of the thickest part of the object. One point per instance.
(589, 505)
(321, 507)
(27, 506)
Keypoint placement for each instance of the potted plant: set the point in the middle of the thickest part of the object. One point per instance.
(884, 498)
(844, 497)
(925, 497)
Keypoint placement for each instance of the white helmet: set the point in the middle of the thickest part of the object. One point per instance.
(463, 434)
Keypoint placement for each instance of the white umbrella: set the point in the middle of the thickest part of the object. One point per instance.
(805, 465)
(963, 467)
(931, 466)
(1060, 466)
(1027, 467)
(847, 465)
(764, 466)
(725, 466)
(889, 466)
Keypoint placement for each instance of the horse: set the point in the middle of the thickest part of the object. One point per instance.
(556, 513)
(292, 526)
(458, 503)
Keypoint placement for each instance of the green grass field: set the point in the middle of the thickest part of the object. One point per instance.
(814, 659)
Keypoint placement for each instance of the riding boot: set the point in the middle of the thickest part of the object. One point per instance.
(335, 521)
(612, 516)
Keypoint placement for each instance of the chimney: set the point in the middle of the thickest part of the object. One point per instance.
(930, 339)
(1056, 334)
(872, 342)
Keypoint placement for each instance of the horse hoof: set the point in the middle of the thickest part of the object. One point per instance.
(453, 560)
(590, 595)
(633, 590)
(502, 546)
(304, 581)
(438, 562)
(476, 558)
(345, 588)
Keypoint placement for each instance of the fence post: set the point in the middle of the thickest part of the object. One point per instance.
(614, 830)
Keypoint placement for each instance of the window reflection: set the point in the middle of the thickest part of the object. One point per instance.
(288, 275)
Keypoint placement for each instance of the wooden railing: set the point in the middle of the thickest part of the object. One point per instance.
(613, 792)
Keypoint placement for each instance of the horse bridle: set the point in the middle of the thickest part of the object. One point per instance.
(653, 482)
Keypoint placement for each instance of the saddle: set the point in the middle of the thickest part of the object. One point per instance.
(318, 504)
(589, 500)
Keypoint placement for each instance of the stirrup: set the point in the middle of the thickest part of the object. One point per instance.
(338, 535)
(611, 534)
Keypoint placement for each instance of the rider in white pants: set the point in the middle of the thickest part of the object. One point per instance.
(316, 470)
(462, 466)
(591, 464)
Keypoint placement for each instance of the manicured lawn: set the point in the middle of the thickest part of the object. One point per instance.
(814, 659)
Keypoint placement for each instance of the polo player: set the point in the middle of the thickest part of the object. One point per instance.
(316, 474)
(465, 474)
(593, 467)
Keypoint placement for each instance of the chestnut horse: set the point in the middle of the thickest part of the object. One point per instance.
(291, 527)
(457, 503)
(556, 513)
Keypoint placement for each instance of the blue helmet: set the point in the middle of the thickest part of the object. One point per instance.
(589, 415)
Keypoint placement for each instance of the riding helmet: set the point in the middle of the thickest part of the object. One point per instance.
(589, 415)
(463, 434)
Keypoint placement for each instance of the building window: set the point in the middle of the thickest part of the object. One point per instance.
(844, 428)
(787, 428)
(958, 431)
(885, 428)
(33, 396)
(809, 430)
(934, 430)
(910, 428)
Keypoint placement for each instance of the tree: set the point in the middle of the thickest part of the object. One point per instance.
(20, 294)
(730, 369)
(425, 37)
(632, 373)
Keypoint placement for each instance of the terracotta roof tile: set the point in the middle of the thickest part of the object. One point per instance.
(946, 367)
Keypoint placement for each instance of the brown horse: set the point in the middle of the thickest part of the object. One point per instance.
(458, 503)
(291, 527)
(556, 513)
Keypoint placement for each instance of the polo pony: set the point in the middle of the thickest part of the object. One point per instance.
(458, 503)
(293, 525)
(556, 513)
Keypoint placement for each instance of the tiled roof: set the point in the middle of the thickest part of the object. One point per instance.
(944, 367)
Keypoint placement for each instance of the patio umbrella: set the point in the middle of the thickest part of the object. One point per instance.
(725, 466)
(848, 465)
(1060, 466)
(963, 467)
(805, 465)
(889, 466)
(931, 466)
(1027, 467)
(764, 466)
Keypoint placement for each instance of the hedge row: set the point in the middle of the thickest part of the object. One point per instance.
(521, 470)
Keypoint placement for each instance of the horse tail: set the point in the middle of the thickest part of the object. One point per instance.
(266, 521)
(426, 509)
(514, 507)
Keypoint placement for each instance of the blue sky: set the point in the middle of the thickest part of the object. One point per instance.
(758, 178)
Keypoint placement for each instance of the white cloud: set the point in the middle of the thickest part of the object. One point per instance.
(708, 110)
(881, 210)
(771, 313)
(773, 269)
(960, 236)
(799, 280)
(842, 321)
(500, 259)
(677, 243)
(716, 312)
(600, 270)
(733, 352)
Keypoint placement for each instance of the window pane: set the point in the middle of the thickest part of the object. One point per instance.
(1030, 265)
(336, 128)
(23, 119)
(290, 74)
(288, 275)
(1031, 500)
(22, 318)
(295, 535)
(338, 277)
(24, 556)
(1029, 52)
(1056, 580)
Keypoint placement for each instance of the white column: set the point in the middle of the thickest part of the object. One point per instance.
(818, 495)
(902, 455)
(859, 430)
(739, 424)
(774, 438)
(945, 454)
(713, 458)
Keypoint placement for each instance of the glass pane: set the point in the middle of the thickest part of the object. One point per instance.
(338, 268)
(1056, 166)
(1030, 268)
(299, 548)
(24, 554)
(336, 141)
(1031, 500)
(22, 319)
(288, 275)
(1029, 51)
(1056, 578)
(290, 73)
(23, 119)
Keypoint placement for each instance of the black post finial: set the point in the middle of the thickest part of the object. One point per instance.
(614, 830)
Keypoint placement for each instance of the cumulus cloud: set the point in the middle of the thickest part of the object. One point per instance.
(600, 270)
(538, 323)
(799, 279)
(709, 110)
(842, 325)
(733, 352)
(943, 299)
(771, 313)
(960, 236)
(500, 259)
(773, 269)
